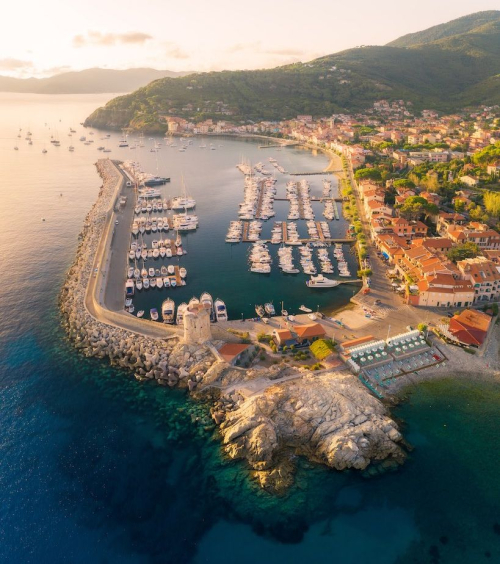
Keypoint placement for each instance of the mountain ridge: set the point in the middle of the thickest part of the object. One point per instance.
(445, 74)
(87, 81)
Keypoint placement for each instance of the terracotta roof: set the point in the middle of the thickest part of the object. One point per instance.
(311, 330)
(356, 342)
(230, 351)
(470, 326)
(283, 334)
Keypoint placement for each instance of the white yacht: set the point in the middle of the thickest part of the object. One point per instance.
(180, 313)
(168, 311)
(321, 282)
(220, 310)
(206, 299)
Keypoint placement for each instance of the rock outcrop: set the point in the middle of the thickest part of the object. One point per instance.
(330, 418)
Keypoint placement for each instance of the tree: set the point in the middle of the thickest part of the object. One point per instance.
(488, 155)
(491, 202)
(404, 183)
(368, 174)
(422, 327)
(416, 206)
(459, 206)
(463, 251)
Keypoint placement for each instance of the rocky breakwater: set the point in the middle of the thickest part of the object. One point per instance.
(166, 360)
(329, 418)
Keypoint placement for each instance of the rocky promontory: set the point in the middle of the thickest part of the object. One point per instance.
(266, 416)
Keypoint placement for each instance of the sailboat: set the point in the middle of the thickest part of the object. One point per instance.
(183, 202)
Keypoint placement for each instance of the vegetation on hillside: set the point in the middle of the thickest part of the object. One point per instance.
(443, 75)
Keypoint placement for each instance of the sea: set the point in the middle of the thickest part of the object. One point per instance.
(96, 467)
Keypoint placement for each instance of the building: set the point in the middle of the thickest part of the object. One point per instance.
(231, 352)
(284, 337)
(443, 290)
(484, 275)
(470, 327)
(307, 334)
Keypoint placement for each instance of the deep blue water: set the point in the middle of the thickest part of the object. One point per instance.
(96, 467)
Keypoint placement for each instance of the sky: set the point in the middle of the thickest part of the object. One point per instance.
(45, 38)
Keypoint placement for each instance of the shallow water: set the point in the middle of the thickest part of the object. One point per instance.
(96, 467)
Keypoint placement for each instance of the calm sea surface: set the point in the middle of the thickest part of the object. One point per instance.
(95, 467)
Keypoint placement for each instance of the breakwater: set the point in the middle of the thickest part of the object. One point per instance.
(166, 360)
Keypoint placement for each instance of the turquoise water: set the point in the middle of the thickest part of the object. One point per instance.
(95, 467)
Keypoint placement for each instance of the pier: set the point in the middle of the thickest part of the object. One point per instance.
(314, 173)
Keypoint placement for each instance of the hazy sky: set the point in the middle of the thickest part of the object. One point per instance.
(45, 37)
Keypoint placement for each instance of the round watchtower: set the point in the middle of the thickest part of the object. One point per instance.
(197, 324)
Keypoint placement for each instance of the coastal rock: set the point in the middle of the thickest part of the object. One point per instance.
(330, 418)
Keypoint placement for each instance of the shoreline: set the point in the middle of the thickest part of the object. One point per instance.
(328, 418)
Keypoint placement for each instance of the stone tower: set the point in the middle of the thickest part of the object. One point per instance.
(197, 324)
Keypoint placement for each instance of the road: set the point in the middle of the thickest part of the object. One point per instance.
(105, 295)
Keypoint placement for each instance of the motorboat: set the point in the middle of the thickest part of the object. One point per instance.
(180, 313)
(305, 309)
(166, 281)
(168, 311)
(138, 284)
(206, 299)
(145, 283)
(151, 272)
(193, 301)
(140, 313)
(152, 283)
(269, 307)
(171, 269)
(321, 281)
(260, 311)
(128, 302)
(159, 282)
(220, 310)
(182, 272)
(153, 312)
(129, 287)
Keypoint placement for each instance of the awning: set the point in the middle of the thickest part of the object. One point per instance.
(384, 254)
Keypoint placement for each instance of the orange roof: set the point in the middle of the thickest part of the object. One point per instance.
(284, 334)
(229, 351)
(311, 330)
(470, 326)
(355, 342)
(473, 319)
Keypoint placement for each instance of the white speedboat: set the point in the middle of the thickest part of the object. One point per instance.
(206, 299)
(321, 281)
(180, 313)
(140, 313)
(182, 272)
(168, 311)
(269, 307)
(138, 284)
(153, 312)
(145, 283)
(171, 269)
(159, 282)
(220, 310)
(151, 272)
(305, 309)
(129, 287)
(193, 301)
(152, 283)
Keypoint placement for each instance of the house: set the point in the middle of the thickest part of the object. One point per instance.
(469, 180)
(409, 229)
(231, 352)
(443, 290)
(309, 333)
(470, 327)
(284, 337)
(484, 275)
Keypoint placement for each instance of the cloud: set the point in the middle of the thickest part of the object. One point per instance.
(257, 47)
(110, 39)
(173, 51)
(9, 64)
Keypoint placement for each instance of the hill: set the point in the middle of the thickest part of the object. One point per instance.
(89, 81)
(444, 74)
(442, 31)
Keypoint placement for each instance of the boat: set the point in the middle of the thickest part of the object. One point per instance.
(166, 281)
(138, 284)
(128, 302)
(130, 271)
(269, 307)
(220, 310)
(206, 299)
(260, 311)
(140, 313)
(193, 301)
(171, 269)
(145, 283)
(180, 313)
(129, 287)
(321, 281)
(182, 272)
(168, 311)
(152, 283)
(153, 312)
(159, 282)
(305, 309)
